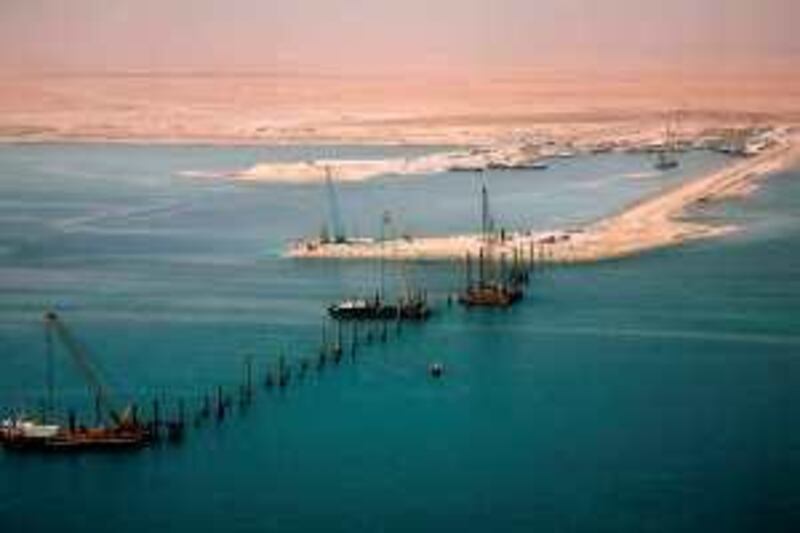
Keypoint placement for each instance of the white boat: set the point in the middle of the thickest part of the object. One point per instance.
(11, 428)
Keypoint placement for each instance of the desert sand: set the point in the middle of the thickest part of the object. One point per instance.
(458, 109)
(579, 111)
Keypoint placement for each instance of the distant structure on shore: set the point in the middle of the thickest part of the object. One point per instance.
(666, 158)
(649, 224)
(336, 224)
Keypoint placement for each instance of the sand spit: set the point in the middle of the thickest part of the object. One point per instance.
(651, 223)
(364, 169)
(345, 169)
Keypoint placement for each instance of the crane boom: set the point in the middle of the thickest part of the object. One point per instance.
(333, 206)
(487, 223)
(102, 395)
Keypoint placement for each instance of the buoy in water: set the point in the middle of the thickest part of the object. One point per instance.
(436, 370)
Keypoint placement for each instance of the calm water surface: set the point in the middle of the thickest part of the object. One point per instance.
(652, 394)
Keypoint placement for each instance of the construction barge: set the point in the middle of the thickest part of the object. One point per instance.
(113, 429)
(413, 308)
(503, 290)
(496, 284)
(491, 295)
(29, 435)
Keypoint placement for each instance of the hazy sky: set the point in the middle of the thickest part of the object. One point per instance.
(388, 35)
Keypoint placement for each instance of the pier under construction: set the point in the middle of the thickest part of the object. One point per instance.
(132, 428)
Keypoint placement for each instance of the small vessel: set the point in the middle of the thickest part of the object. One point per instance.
(26, 428)
(519, 165)
(436, 370)
(666, 161)
(533, 165)
(465, 168)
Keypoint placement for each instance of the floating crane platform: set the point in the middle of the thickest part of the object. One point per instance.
(27, 436)
(506, 286)
(412, 308)
(491, 296)
(123, 431)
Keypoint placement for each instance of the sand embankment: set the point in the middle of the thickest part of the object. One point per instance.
(651, 223)
(350, 170)
(660, 221)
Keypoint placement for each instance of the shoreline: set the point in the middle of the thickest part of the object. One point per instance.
(647, 224)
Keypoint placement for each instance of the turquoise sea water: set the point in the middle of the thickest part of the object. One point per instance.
(656, 393)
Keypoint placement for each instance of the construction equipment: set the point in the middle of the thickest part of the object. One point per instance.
(487, 223)
(336, 226)
(413, 306)
(495, 289)
(124, 431)
(665, 157)
(502, 291)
